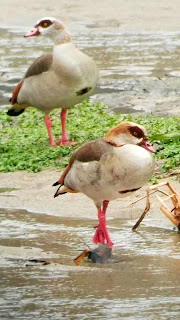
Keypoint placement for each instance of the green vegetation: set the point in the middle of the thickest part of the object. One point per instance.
(24, 143)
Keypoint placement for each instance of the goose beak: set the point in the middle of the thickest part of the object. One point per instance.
(145, 144)
(34, 32)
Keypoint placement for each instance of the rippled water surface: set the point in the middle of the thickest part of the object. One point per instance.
(142, 282)
(121, 57)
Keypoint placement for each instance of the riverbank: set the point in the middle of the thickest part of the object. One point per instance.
(33, 192)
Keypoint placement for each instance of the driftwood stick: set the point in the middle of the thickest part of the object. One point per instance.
(173, 195)
(170, 216)
(162, 202)
(81, 256)
(161, 191)
(176, 196)
(140, 199)
(145, 211)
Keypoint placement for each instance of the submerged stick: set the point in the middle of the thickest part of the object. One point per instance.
(82, 256)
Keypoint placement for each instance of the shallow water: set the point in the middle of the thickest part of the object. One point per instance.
(141, 283)
(129, 63)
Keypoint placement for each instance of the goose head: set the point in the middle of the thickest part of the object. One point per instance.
(51, 28)
(129, 133)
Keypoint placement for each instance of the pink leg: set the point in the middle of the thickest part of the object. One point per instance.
(101, 233)
(64, 141)
(49, 129)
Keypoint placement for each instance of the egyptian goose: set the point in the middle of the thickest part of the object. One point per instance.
(58, 80)
(109, 168)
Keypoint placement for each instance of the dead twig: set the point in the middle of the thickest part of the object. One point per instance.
(171, 214)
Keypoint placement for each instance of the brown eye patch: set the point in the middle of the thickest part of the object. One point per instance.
(137, 132)
(45, 23)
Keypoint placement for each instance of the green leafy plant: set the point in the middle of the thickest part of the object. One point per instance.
(24, 142)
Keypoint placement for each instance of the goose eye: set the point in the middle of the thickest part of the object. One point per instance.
(45, 23)
(137, 132)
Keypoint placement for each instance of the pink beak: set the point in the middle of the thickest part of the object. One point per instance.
(33, 32)
(145, 144)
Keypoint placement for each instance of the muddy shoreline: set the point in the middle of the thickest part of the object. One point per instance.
(34, 192)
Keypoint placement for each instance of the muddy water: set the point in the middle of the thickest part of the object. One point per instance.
(141, 283)
(139, 72)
